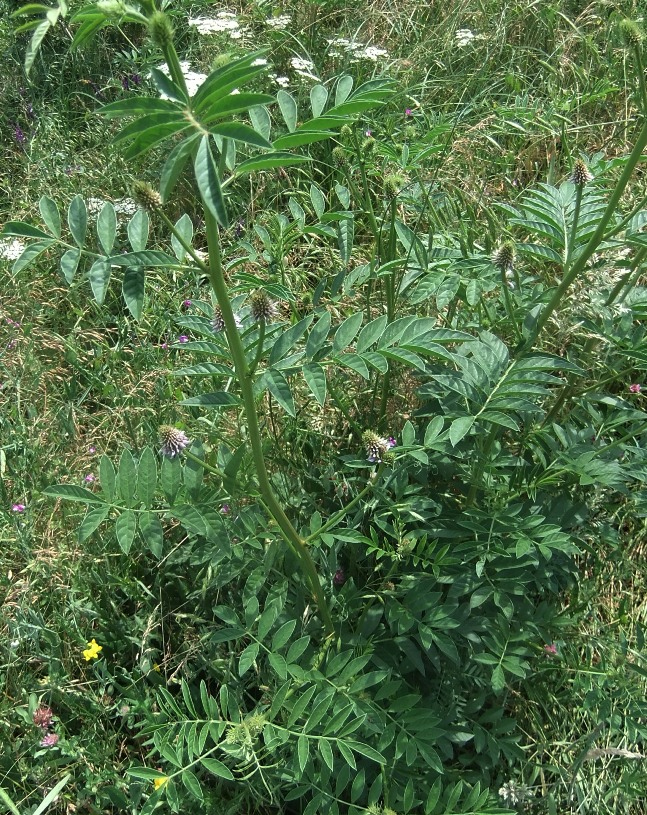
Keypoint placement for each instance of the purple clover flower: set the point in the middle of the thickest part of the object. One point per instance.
(50, 740)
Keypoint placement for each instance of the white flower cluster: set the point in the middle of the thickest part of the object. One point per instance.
(304, 67)
(340, 46)
(224, 21)
(193, 80)
(281, 81)
(464, 37)
(11, 248)
(278, 23)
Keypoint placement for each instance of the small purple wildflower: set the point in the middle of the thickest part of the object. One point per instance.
(636, 388)
(136, 79)
(89, 478)
(408, 112)
(368, 134)
(50, 740)
(164, 346)
(225, 509)
(92, 449)
(340, 578)
(187, 303)
(13, 323)
(172, 441)
(12, 344)
(18, 508)
(550, 650)
(182, 339)
(19, 134)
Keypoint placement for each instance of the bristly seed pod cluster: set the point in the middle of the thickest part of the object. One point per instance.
(632, 33)
(580, 174)
(262, 308)
(147, 198)
(503, 257)
(160, 29)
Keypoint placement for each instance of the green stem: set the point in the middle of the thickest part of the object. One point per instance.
(507, 300)
(184, 244)
(334, 520)
(594, 241)
(259, 348)
(628, 280)
(245, 381)
(576, 216)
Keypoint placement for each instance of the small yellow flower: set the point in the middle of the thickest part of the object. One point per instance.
(159, 782)
(92, 651)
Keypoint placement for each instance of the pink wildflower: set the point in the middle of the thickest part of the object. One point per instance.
(50, 740)
(18, 508)
(635, 388)
(550, 650)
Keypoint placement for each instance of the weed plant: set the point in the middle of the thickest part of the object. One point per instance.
(322, 462)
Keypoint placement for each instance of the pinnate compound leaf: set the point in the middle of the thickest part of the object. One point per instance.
(20, 229)
(107, 227)
(459, 428)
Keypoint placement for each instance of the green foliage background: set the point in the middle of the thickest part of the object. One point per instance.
(485, 579)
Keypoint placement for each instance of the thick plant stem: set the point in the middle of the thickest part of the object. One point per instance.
(575, 270)
(245, 381)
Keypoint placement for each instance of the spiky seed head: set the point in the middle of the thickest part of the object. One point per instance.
(377, 447)
(393, 183)
(112, 8)
(346, 132)
(160, 29)
(339, 157)
(217, 321)
(632, 33)
(503, 257)
(147, 198)
(580, 175)
(261, 307)
(368, 145)
(172, 440)
(221, 60)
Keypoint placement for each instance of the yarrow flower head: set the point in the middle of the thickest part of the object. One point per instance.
(261, 307)
(92, 651)
(503, 257)
(377, 447)
(49, 740)
(42, 717)
(580, 175)
(513, 793)
(172, 440)
(636, 388)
